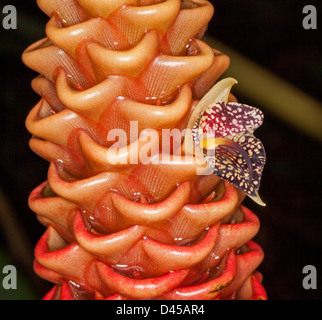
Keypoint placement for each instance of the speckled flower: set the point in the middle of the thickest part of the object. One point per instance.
(224, 132)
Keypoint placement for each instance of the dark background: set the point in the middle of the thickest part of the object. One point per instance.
(270, 33)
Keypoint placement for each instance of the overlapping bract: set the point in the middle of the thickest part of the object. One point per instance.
(111, 223)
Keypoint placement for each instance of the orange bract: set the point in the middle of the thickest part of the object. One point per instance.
(122, 230)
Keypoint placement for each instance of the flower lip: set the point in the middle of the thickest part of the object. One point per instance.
(229, 119)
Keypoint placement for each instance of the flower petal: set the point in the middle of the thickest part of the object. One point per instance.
(229, 119)
(240, 163)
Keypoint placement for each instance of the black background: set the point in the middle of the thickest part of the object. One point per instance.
(269, 32)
